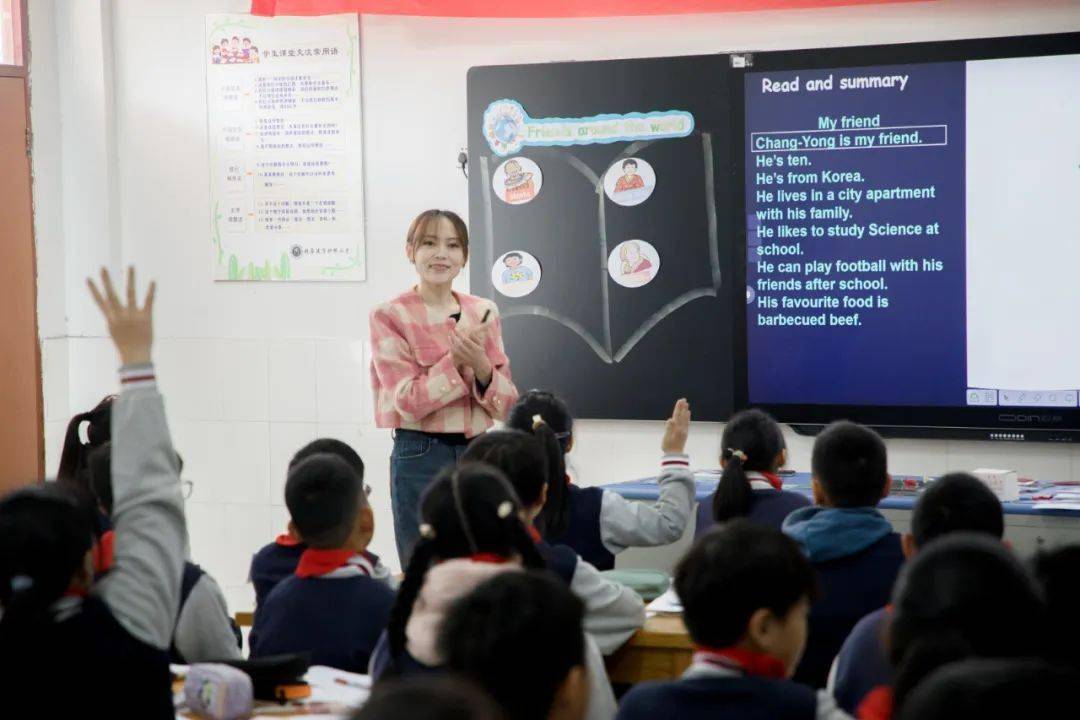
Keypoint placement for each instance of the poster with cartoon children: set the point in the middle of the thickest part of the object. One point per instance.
(233, 50)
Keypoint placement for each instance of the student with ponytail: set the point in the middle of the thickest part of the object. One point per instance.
(752, 450)
(70, 646)
(74, 466)
(471, 528)
(533, 464)
(599, 524)
(949, 605)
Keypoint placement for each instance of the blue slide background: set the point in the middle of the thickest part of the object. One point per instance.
(913, 352)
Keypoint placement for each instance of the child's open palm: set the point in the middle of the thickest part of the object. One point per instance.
(130, 326)
(677, 428)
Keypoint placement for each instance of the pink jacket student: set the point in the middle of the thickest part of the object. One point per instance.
(417, 386)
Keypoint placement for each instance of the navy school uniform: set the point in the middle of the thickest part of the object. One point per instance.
(336, 615)
(273, 563)
(769, 506)
(715, 688)
(863, 663)
(857, 557)
(87, 660)
(583, 531)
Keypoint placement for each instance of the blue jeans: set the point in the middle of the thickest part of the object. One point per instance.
(416, 459)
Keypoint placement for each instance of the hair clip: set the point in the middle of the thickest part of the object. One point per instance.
(427, 532)
(737, 453)
(538, 420)
(19, 583)
(505, 508)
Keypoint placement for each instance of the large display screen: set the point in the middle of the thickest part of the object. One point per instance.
(913, 234)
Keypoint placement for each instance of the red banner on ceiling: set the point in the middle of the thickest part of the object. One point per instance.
(536, 8)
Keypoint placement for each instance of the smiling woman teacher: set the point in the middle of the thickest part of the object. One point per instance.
(438, 370)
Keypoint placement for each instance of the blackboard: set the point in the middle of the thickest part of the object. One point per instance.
(611, 351)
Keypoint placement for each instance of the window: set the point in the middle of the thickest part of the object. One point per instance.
(11, 33)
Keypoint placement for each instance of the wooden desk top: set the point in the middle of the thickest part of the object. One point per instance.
(661, 650)
(662, 631)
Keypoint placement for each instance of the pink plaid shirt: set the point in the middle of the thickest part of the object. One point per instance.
(413, 377)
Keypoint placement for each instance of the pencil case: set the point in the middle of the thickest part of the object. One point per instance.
(218, 692)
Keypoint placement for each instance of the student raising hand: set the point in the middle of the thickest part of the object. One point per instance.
(130, 326)
(677, 428)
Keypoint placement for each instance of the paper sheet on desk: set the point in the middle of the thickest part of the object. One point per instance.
(337, 686)
(667, 603)
(1056, 505)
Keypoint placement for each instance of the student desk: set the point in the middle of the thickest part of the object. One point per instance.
(1027, 528)
(659, 651)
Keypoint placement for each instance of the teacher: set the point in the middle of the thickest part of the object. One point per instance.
(439, 373)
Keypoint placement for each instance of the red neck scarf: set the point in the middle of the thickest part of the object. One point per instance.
(877, 705)
(771, 478)
(103, 552)
(314, 562)
(490, 558)
(748, 662)
(534, 533)
(286, 540)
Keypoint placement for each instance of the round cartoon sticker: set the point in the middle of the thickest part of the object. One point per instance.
(633, 263)
(516, 273)
(517, 180)
(629, 182)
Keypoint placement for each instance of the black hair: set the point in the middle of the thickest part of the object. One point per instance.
(1058, 571)
(464, 511)
(629, 161)
(99, 471)
(956, 502)
(323, 495)
(45, 532)
(518, 635)
(849, 462)
(948, 605)
(549, 407)
(752, 440)
(512, 254)
(428, 697)
(73, 458)
(531, 461)
(993, 688)
(331, 446)
(734, 570)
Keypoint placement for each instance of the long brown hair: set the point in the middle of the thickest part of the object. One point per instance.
(423, 221)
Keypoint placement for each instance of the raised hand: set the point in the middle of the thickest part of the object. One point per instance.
(130, 326)
(677, 428)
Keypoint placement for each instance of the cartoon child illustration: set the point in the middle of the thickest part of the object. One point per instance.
(519, 184)
(636, 268)
(515, 272)
(235, 53)
(224, 48)
(630, 180)
(254, 54)
(246, 52)
(215, 54)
